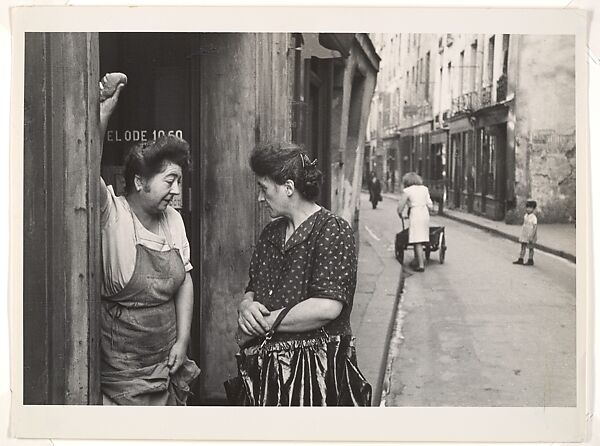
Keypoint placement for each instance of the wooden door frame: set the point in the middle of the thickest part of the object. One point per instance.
(319, 75)
(61, 240)
(196, 200)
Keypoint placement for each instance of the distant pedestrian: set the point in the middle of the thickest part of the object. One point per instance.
(416, 197)
(374, 190)
(528, 233)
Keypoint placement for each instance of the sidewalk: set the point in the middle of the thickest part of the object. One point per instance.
(557, 239)
(375, 305)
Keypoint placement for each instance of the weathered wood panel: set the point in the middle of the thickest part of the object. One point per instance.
(81, 169)
(244, 101)
(195, 228)
(227, 133)
(94, 269)
(62, 131)
(36, 307)
(273, 99)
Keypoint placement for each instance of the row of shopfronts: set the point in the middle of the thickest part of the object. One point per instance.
(464, 164)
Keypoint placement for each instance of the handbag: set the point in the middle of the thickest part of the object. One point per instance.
(259, 381)
(235, 389)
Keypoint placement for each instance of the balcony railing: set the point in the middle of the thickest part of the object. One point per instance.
(473, 100)
(418, 111)
(486, 96)
(465, 103)
(457, 105)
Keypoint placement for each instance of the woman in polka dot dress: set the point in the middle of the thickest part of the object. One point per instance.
(305, 259)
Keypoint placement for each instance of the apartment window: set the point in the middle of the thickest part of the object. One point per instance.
(473, 67)
(419, 77)
(412, 86)
(461, 73)
(386, 110)
(427, 61)
(440, 91)
(396, 111)
(406, 89)
(505, 39)
(490, 61)
(450, 79)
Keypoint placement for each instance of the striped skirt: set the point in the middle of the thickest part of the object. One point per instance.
(313, 372)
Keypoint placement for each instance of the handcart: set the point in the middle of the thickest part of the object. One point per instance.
(437, 241)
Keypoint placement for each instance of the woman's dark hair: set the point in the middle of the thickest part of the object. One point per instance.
(149, 158)
(287, 161)
(531, 204)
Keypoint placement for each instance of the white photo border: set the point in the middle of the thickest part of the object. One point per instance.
(343, 424)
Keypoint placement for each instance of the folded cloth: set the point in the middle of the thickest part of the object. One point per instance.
(150, 386)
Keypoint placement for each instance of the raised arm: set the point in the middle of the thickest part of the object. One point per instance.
(110, 89)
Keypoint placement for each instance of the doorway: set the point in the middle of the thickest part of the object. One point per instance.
(158, 100)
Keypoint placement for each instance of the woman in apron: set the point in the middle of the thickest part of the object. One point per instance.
(147, 292)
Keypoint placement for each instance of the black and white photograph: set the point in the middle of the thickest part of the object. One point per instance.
(348, 219)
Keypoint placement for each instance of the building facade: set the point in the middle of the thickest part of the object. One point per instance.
(487, 120)
(224, 93)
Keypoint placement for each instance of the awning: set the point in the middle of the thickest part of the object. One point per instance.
(341, 42)
(313, 48)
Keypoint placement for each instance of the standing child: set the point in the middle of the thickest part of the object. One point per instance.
(528, 233)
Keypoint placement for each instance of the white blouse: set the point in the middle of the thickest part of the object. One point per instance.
(118, 240)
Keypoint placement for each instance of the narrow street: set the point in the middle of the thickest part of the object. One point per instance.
(478, 330)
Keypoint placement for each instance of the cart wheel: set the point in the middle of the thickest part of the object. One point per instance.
(443, 249)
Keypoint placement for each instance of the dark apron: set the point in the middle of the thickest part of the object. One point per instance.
(139, 327)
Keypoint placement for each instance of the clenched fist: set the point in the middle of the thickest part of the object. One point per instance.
(109, 84)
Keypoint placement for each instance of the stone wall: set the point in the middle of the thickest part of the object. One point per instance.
(544, 111)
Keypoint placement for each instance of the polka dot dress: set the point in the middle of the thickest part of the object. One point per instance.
(318, 260)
